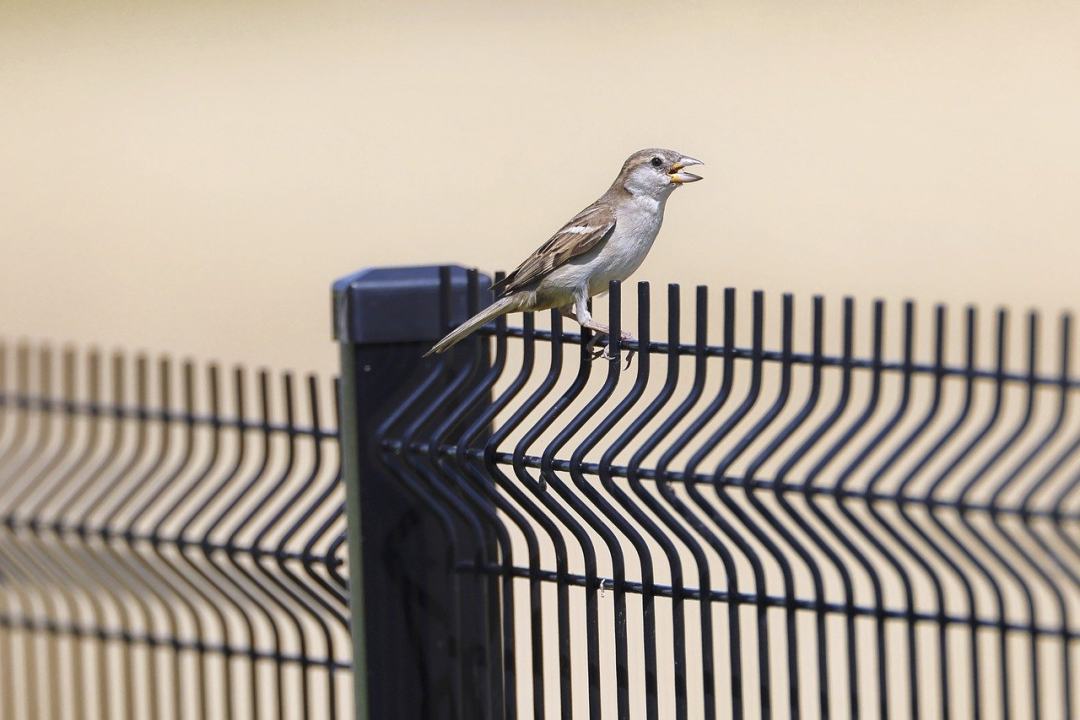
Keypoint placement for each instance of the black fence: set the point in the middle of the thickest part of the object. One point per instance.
(755, 528)
(173, 542)
(825, 511)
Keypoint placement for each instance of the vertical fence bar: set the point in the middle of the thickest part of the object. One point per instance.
(413, 621)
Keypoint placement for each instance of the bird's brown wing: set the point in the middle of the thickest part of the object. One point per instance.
(585, 231)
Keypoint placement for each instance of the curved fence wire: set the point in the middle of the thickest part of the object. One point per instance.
(755, 510)
(171, 542)
(775, 529)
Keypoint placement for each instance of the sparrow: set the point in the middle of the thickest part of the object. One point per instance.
(606, 241)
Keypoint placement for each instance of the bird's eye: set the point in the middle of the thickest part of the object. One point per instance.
(656, 162)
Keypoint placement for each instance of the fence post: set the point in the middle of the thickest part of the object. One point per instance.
(402, 589)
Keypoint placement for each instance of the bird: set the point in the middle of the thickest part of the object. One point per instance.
(606, 241)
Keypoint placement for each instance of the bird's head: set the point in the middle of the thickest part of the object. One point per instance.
(656, 172)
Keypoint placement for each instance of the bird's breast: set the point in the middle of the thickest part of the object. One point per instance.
(635, 231)
(636, 227)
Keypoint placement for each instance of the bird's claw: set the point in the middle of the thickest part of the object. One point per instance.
(601, 352)
(605, 353)
(590, 347)
(627, 337)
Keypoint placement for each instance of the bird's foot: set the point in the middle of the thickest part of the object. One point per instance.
(590, 347)
(605, 353)
(627, 337)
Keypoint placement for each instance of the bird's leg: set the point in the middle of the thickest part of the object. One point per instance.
(585, 319)
(580, 313)
(600, 330)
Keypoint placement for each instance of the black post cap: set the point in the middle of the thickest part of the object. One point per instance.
(390, 305)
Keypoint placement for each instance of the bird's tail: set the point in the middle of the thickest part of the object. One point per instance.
(462, 331)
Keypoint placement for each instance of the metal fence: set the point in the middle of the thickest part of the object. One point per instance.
(866, 522)
(827, 511)
(172, 542)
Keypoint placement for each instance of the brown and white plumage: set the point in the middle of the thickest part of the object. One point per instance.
(582, 233)
(606, 241)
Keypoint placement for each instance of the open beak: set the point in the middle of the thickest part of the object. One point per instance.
(678, 177)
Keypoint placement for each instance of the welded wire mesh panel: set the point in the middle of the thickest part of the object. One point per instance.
(171, 542)
(822, 512)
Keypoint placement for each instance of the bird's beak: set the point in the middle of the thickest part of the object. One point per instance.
(679, 178)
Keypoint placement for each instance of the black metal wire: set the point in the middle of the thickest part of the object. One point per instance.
(872, 497)
(138, 578)
(721, 531)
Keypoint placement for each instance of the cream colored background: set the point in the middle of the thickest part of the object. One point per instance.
(190, 177)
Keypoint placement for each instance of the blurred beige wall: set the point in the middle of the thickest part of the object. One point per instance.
(190, 177)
